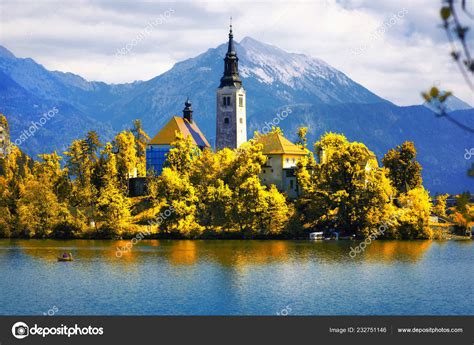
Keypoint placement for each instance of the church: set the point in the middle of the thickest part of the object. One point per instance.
(231, 131)
(160, 145)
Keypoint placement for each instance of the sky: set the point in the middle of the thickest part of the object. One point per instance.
(396, 49)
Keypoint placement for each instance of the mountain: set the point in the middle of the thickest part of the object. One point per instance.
(319, 96)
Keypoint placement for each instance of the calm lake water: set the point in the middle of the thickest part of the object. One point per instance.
(237, 278)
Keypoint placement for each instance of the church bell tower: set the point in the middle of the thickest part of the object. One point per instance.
(231, 119)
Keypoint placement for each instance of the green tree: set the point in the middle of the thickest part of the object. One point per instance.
(404, 170)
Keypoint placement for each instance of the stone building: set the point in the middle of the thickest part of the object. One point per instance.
(282, 157)
(231, 116)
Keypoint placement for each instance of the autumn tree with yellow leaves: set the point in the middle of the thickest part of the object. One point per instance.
(207, 194)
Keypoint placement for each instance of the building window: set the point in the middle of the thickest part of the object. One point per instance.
(226, 101)
(226, 120)
(264, 171)
(288, 160)
(241, 101)
(291, 184)
(294, 160)
(272, 170)
(241, 120)
(156, 159)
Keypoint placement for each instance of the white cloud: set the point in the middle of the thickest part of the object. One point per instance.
(83, 37)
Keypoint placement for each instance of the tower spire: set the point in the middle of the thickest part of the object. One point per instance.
(231, 63)
(188, 111)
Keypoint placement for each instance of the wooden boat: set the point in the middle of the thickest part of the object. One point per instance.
(66, 258)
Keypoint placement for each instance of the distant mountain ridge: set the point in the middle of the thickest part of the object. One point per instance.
(321, 98)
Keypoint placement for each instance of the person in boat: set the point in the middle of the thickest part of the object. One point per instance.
(67, 255)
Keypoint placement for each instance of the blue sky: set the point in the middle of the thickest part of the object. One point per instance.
(394, 48)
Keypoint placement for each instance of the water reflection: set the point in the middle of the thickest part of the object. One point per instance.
(182, 253)
(389, 251)
(228, 253)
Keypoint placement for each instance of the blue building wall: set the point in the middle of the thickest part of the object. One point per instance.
(156, 158)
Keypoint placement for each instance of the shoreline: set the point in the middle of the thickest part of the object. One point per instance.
(453, 238)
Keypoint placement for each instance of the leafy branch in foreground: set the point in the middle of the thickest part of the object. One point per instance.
(457, 34)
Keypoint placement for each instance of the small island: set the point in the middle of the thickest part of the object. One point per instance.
(176, 186)
(226, 194)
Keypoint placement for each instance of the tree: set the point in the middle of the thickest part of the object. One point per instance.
(92, 145)
(462, 200)
(177, 201)
(16, 170)
(210, 174)
(113, 205)
(141, 140)
(346, 190)
(126, 157)
(302, 140)
(413, 217)
(328, 144)
(4, 122)
(440, 208)
(80, 170)
(248, 163)
(39, 209)
(278, 212)
(181, 156)
(404, 170)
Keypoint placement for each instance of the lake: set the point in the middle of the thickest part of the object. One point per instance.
(230, 277)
